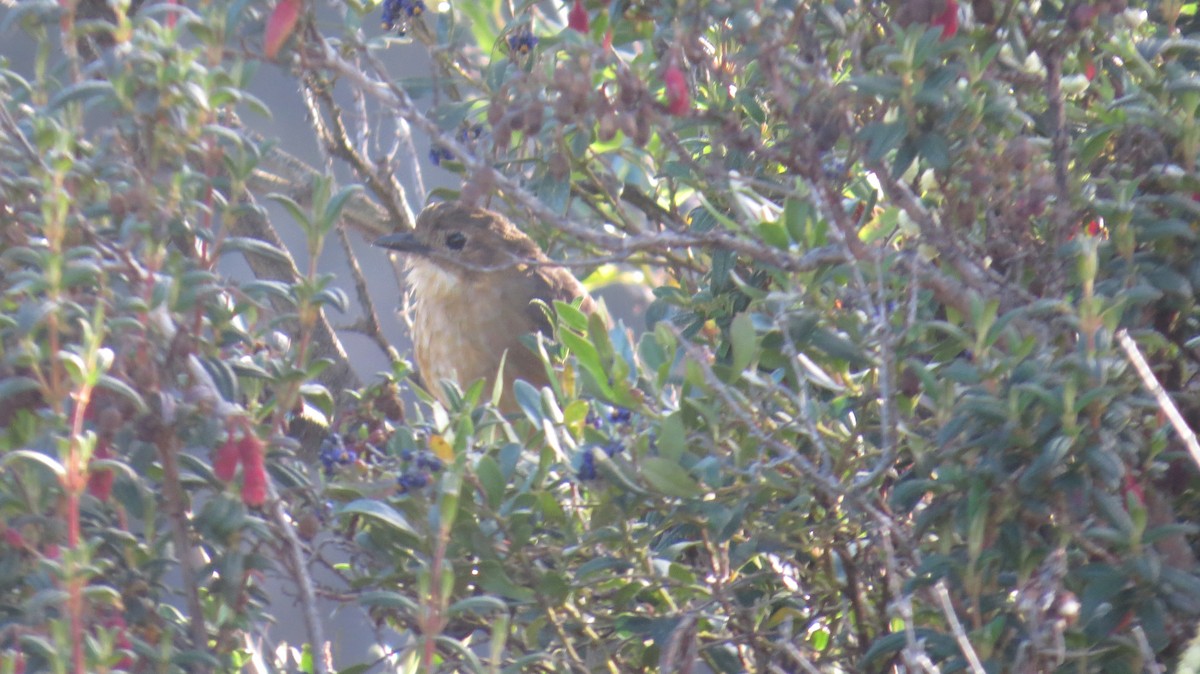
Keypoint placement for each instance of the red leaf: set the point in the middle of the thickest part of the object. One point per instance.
(254, 472)
(1090, 70)
(1131, 486)
(577, 18)
(225, 463)
(947, 20)
(280, 25)
(100, 481)
(679, 101)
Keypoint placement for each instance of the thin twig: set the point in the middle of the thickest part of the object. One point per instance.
(956, 627)
(370, 319)
(1160, 395)
(300, 575)
(1148, 660)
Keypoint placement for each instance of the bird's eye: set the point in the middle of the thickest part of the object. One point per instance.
(456, 240)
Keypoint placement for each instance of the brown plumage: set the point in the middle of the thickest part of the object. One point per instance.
(474, 277)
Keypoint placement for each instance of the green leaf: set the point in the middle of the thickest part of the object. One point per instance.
(80, 91)
(492, 479)
(529, 399)
(883, 137)
(672, 437)
(380, 512)
(494, 579)
(15, 386)
(745, 341)
(570, 316)
(668, 477)
(478, 605)
(935, 150)
(114, 385)
(251, 246)
(34, 457)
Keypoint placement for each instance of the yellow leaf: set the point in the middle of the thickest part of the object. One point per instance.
(441, 449)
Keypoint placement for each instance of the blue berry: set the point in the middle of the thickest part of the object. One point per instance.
(522, 42)
(587, 466)
(438, 154)
(393, 9)
(333, 451)
(430, 462)
(620, 415)
(614, 447)
(412, 481)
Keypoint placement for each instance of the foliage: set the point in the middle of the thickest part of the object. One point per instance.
(879, 419)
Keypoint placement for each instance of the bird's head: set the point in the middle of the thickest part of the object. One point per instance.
(463, 241)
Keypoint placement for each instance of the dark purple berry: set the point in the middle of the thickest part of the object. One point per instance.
(412, 481)
(620, 415)
(587, 466)
(522, 42)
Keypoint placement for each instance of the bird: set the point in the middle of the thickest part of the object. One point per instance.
(478, 285)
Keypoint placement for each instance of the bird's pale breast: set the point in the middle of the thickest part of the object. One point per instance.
(461, 330)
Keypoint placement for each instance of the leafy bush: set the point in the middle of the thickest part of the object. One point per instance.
(884, 414)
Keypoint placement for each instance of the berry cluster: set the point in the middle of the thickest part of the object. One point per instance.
(439, 153)
(396, 13)
(587, 464)
(334, 452)
(523, 41)
(618, 417)
(421, 465)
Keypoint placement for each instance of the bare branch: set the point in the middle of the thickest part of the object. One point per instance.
(1168, 407)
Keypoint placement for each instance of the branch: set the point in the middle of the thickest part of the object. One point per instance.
(956, 627)
(1160, 395)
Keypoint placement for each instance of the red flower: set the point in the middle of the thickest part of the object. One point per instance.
(100, 481)
(679, 101)
(577, 18)
(254, 473)
(226, 462)
(1089, 71)
(13, 538)
(947, 20)
(280, 25)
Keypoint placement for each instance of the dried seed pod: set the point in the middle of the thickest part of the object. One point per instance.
(641, 135)
(564, 110)
(606, 126)
(559, 167)
(534, 117)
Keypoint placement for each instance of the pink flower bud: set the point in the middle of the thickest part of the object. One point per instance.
(226, 461)
(947, 20)
(679, 100)
(577, 18)
(254, 472)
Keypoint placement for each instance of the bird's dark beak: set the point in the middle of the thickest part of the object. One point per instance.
(405, 242)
